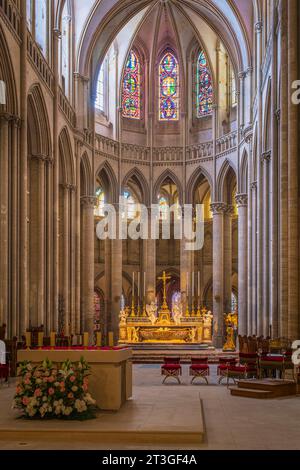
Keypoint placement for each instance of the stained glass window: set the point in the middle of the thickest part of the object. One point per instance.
(169, 88)
(99, 208)
(41, 24)
(163, 208)
(65, 49)
(204, 90)
(131, 99)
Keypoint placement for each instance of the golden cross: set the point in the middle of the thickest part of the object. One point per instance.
(164, 279)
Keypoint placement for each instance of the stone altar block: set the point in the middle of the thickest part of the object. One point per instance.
(111, 371)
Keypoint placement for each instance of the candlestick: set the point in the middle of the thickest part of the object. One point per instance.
(52, 339)
(198, 289)
(144, 285)
(85, 340)
(111, 339)
(132, 314)
(40, 339)
(98, 339)
(193, 284)
(28, 339)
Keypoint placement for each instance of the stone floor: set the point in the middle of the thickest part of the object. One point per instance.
(230, 422)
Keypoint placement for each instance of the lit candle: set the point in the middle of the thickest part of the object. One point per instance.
(187, 284)
(198, 285)
(193, 283)
(98, 339)
(133, 285)
(139, 275)
(144, 284)
(111, 339)
(85, 340)
(52, 339)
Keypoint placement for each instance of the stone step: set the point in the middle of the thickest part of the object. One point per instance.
(250, 393)
(279, 388)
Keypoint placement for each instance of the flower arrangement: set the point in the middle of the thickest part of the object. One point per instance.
(45, 391)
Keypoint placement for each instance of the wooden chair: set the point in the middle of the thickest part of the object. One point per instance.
(199, 368)
(171, 368)
(246, 368)
(273, 364)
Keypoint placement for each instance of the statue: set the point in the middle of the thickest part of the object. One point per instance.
(177, 312)
(123, 317)
(152, 312)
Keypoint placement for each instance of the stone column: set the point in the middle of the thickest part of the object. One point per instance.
(116, 280)
(228, 258)
(242, 201)
(265, 161)
(87, 270)
(149, 263)
(40, 249)
(77, 239)
(14, 228)
(293, 174)
(23, 172)
(4, 162)
(254, 257)
(218, 209)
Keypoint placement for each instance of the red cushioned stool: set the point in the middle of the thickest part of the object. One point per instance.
(247, 367)
(224, 363)
(199, 368)
(171, 368)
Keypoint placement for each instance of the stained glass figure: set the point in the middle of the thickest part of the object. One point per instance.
(169, 88)
(131, 97)
(204, 89)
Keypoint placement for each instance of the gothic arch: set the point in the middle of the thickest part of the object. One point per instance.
(38, 124)
(243, 175)
(222, 179)
(107, 174)
(86, 183)
(167, 174)
(141, 182)
(66, 157)
(7, 75)
(193, 181)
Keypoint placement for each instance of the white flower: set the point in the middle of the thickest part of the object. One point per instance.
(88, 399)
(44, 398)
(74, 388)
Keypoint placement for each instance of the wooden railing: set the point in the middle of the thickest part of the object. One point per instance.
(39, 61)
(10, 9)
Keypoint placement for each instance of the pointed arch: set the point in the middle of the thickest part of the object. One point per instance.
(140, 181)
(226, 173)
(106, 175)
(193, 181)
(86, 183)
(66, 157)
(167, 174)
(7, 75)
(243, 175)
(39, 140)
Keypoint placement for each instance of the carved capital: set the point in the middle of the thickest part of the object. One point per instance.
(68, 187)
(278, 114)
(253, 186)
(241, 200)
(218, 208)
(88, 201)
(39, 157)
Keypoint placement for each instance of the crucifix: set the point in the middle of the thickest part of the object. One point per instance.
(164, 279)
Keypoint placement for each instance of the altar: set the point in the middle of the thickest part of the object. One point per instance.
(161, 326)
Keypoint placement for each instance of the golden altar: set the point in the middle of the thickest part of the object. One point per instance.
(182, 326)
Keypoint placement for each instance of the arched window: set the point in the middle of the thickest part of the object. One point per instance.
(99, 208)
(163, 208)
(99, 103)
(233, 92)
(65, 48)
(131, 205)
(168, 88)
(131, 96)
(41, 25)
(204, 91)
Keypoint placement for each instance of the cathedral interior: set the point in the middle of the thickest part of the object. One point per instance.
(161, 102)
